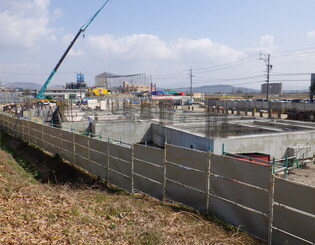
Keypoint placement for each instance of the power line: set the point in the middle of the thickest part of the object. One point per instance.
(226, 64)
(172, 74)
(223, 67)
(231, 79)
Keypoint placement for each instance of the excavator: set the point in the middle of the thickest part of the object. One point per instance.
(41, 94)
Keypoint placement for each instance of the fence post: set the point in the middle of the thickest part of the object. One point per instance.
(164, 173)
(132, 168)
(273, 165)
(89, 153)
(286, 166)
(107, 167)
(74, 155)
(208, 182)
(271, 197)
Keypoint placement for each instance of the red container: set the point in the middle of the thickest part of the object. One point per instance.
(254, 157)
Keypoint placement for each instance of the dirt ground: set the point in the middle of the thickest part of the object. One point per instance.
(305, 175)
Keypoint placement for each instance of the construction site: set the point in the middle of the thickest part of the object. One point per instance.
(131, 121)
(200, 156)
(245, 161)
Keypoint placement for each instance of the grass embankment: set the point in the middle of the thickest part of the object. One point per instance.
(32, 212)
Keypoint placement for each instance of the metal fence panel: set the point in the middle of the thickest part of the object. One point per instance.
(82, 162)
(279, 237)
(120, 166)
(149, 187)
(149, 170)
(98, 157)
(187, 176)
(247, 172)
(293, 197)
(19, 128)
(31, 125)
(50, 148)
(69, 156)
(245, 195)
(32, 136)
(249, 221)
(68, 146)
(51, 131)
(11, 123)
(120, 152)
(149, 154)
(119, 180)
(38, 127)
(298, 224)
(187, 157)
(185, 195)
(67, 135)
(82, 151)
(26, 133)
(98, 170)
(39, 138)
(98, 145)
(56, 141)
(81, 140)
(56, 145)
(46, 138)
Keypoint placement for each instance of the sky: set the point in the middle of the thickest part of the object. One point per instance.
(220, 41)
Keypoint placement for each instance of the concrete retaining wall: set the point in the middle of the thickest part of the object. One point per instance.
(273, 144)
(162, 134)
(133, 132)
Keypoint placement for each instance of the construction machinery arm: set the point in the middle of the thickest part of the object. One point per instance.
(40, 94)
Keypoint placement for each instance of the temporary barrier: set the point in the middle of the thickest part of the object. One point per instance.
(240, 194)
(293, 213)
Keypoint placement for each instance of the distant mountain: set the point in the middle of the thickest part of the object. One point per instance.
(217, 89)
(23, 85)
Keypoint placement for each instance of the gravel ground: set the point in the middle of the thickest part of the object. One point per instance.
(305, 175)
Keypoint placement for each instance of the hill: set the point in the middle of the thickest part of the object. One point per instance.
(23, 85)
(86, 212)
(218, 89)
(215, 89)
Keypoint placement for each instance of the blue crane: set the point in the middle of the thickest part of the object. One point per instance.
(40, 94)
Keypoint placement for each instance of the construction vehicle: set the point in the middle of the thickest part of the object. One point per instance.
(41, 94)
(97, 91)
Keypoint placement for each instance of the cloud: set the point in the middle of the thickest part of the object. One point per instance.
(266, 40)
(57, 13)
(204, 49)
(77, 53)
(265, 45)
(311, 34)
(150, 47)
(67, 38)
(23, 23)
(137, 46)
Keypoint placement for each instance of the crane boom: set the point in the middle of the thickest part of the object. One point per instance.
(40, 94)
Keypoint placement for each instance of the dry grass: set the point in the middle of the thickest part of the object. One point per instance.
(34, 213)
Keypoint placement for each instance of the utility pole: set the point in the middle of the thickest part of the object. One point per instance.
(266, 59)
(191, 81)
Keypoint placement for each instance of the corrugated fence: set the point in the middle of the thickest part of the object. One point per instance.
(240, 193)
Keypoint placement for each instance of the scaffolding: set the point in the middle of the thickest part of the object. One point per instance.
(110, 80)
(146, 110)
(166, 112)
